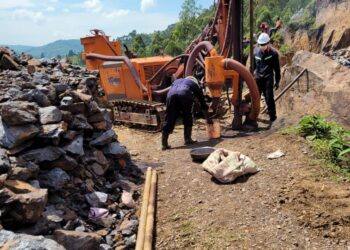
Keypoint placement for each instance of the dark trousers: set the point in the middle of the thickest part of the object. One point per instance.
(177, 105)
(265, 86)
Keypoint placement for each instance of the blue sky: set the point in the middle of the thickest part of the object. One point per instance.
(37, 22)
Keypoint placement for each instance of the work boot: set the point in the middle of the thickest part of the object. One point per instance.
(187, 136)
(165, 144)
(273, 118)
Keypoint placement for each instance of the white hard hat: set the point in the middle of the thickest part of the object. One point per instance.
(193, 79)
(263, 39)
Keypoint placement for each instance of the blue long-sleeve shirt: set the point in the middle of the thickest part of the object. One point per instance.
(266, 64)
(187, 87)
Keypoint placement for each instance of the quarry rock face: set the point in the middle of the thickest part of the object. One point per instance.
(325, 89)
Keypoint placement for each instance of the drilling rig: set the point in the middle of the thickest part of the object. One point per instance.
(137, 87)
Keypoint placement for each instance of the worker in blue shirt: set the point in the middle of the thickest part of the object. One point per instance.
(267, 72)
(180, 100)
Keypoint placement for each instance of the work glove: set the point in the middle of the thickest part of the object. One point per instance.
(277, 85)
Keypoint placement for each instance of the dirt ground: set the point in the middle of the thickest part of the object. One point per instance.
(292, 203)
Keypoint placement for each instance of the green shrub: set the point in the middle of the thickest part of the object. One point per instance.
(329, 140)
(314, 127)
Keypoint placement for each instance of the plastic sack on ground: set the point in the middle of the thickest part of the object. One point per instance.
(227, 165)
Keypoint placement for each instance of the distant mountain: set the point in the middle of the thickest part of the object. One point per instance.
(59, 47)
(20, 48)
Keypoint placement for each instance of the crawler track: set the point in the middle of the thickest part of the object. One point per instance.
(141, 114)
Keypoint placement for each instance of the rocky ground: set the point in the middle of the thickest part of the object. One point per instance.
(292, 203)
(66, 181)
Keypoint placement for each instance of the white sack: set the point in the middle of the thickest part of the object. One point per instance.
(227, 165)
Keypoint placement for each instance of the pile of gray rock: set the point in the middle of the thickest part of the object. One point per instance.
(342, 56)
(63, 173)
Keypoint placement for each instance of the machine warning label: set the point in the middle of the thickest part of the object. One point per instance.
(114, 80)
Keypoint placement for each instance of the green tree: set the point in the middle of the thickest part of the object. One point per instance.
(138, 45)
(157, 43)
(172, 48)
(187, 28)
(71, 53)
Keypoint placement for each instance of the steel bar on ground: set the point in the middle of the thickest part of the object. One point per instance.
(143, 216)
(150, 212)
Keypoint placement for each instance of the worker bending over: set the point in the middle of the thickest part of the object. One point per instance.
(267, 72)
(180, 100)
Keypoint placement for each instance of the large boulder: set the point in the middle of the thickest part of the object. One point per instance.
(13, 241)
(50, 114)
(53, 131)
(76, 146)
(55, 179)
(14, 136)
(7, 62)
(65, 162)
(40, 155)
(29, 202)
(19, 113)
(325, 89)
(75, 240)
(80, 123)
(104, 138)
(4, 161)
(115, 149)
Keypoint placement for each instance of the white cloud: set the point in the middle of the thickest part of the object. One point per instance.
(65, 10)
(53, 1)
(145, 4)
(50, 9)
(117, 13)
(4, 4)
(35, 16)
(76, 24)
(93, 5)
(58, 34)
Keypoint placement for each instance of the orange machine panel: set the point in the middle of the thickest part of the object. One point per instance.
(147, 67)
(98, 44)
(118, 83)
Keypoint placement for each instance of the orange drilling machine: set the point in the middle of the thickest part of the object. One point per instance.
(137, 87)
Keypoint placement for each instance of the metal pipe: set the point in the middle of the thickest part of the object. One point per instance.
(192, 58)
(307, 81)
(118, 59)
(226, 49)
(236, 24)
(290, 85)
(230, 64)
(143, 217)
(165, 65)
(155, 87)
(251, 42)
(287, 87)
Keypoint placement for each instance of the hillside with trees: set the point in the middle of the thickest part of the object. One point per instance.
(193, 18)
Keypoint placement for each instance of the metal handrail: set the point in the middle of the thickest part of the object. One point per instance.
(291, 84)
